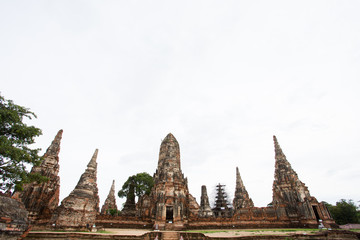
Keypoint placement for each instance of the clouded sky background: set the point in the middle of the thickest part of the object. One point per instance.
(222, 76)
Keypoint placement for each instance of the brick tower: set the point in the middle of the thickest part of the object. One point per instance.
(291, 197)
(171, 202)
(41, 199)
(80, 208)
(241, 196)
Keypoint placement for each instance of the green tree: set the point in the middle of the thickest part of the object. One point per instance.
(137, 185)
(345, 211)
(112, 212)
(15, 155)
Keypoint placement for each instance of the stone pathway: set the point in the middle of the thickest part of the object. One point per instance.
(170, 235)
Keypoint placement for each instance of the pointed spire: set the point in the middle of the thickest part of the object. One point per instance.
(88, 178)
(239, 182)
(82, 205)
(110, 202)
(278, 150)
(41, 199)
(92, 163)
(112, 189)
(287, 187)
(54, 148)
(241, 196)
(280, 159)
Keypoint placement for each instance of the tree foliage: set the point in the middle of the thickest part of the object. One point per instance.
(113, 212)
(138, 184)
(15, 155)
(345, 211)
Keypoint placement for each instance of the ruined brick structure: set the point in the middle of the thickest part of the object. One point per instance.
(41, 199)
(14, 223)
(292, 205)
(291, 198)
(205, 209)
(110, 201)
(170, 204)
(241, 196)
(80, 208)
(130, 205)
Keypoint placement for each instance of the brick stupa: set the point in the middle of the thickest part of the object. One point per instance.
(241, 196)
(110, 202)
(80, 208)
(291, 197)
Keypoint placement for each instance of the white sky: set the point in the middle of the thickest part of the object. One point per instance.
(222, 76)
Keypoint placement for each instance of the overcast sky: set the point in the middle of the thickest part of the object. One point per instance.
(222, 76)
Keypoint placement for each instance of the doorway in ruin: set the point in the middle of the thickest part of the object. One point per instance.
(316, 212)
(169, 214)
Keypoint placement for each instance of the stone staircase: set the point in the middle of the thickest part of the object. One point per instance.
(169, 235)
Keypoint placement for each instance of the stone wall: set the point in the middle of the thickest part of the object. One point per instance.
(13, 218)
(108, 221)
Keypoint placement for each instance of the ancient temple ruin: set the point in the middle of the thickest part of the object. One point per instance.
(110, 201)
(290, 196)
(241, 196)
(129, 208)
(79, 209)
(222, 207)
(41, 199)
(169, 204)
(205, 209)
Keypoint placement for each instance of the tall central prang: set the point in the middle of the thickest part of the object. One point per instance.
(169, 161)
(171, 202)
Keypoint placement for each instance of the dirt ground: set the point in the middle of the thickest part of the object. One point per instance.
(218, 233)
